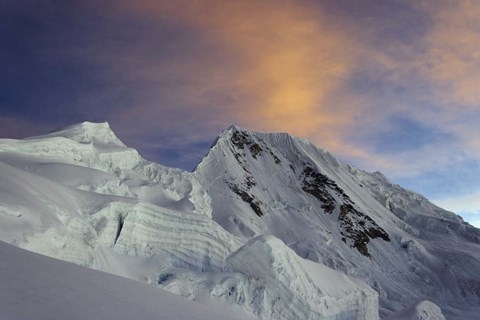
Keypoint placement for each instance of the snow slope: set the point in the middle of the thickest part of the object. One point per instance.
(38, 287)
(424, 310)
(82, 196)
(403, 246)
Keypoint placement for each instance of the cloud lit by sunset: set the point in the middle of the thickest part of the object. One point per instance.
(386, 85)
(281, 61)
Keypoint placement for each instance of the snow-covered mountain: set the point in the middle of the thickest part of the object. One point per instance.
(267, 226)
(403, 246)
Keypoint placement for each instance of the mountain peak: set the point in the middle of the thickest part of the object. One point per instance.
(88, 132)
(234, 127)
(88, 126)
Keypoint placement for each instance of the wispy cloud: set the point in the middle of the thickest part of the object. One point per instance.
(430, 80)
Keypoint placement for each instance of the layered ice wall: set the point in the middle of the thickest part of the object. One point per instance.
(71, 193)
(267, 280)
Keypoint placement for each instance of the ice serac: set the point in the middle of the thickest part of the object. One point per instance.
(301, 289)
(403, 246)
(81, 195)
(154, 211)
(267, 280)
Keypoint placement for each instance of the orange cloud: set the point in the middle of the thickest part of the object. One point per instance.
(285, 66)
(289, 62)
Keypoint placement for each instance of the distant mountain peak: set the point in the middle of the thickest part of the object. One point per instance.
(87, 132)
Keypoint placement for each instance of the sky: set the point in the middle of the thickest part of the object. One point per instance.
(390, 86)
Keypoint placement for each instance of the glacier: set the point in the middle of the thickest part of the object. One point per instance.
(267, 226)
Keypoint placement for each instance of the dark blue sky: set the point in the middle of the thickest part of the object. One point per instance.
(385, 85)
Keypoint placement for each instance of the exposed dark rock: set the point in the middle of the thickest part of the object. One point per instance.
(240, 157)
(256, 208)
(247, 198)
(241, 140)
(317, 184)
(275, 158)
(356, 226)
(255, 150)
(249, 182)
(360, 228)
(237, 156)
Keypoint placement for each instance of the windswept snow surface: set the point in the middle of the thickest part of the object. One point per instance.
(82, 196)
(403, 246)
(38, 287)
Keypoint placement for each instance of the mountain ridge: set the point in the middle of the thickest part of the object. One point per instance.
(329, 199)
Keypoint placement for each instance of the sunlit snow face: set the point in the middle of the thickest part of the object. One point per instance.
(389, 86)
